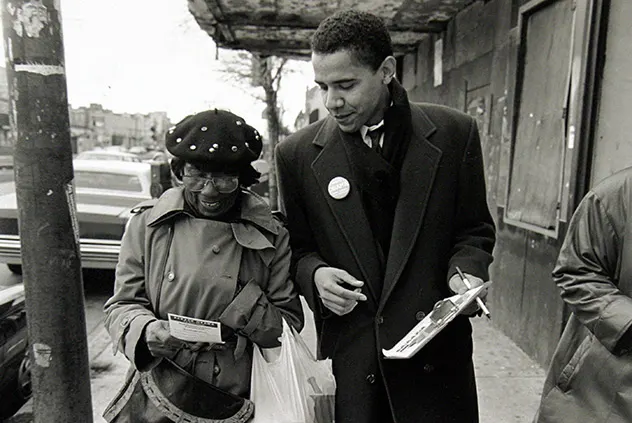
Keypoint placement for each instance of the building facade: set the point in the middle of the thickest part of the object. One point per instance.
(96, 127)
(547, 81)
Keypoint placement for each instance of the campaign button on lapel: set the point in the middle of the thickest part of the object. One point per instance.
(339, 188)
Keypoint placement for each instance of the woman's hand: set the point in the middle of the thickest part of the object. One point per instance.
(159, 340)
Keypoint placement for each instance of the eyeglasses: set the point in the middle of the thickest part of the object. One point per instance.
(224, 184)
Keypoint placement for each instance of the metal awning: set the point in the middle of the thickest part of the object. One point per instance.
(284, 27)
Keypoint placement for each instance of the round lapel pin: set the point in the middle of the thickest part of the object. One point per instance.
(339, 187)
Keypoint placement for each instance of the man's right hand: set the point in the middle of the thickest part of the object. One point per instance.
(340, 300)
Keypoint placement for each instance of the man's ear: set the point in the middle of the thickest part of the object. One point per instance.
(387, 69)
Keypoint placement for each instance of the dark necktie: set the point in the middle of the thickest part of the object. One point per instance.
(375, 138)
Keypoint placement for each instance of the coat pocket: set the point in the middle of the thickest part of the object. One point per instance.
(570, 370)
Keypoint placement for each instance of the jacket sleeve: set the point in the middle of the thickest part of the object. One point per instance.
(256, 312)
(474, 235)
(305, 257)
(586, 273)
(128, 311)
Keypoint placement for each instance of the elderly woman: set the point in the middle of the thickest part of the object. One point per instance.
(208, 249)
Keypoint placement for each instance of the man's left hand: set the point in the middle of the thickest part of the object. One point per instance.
(457, 286)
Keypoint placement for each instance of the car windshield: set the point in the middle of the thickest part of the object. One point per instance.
(108, 181)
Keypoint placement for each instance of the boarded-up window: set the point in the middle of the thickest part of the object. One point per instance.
(540, 122)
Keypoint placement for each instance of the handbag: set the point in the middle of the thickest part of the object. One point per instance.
(169, 394)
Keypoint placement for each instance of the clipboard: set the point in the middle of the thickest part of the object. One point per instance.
(443, 313)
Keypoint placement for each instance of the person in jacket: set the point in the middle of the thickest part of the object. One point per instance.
(207, 249)
(590, 376)
(378, 227)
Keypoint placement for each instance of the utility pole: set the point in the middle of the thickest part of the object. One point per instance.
(51, 262)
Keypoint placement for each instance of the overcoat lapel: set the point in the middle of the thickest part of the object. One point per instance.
(348, 212)
(416, 181)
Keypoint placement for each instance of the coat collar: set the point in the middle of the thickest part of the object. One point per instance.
(254, 209)
(417, 178)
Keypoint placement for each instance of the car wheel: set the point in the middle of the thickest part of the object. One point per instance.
(15, 268)
(17, 395)
(25, 388)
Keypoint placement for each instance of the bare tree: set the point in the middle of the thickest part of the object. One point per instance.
(269, 72)
(245, 70)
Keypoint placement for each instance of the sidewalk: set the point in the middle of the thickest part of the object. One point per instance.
(509, 382)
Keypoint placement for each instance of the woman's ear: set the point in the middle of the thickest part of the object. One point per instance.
(177, 167)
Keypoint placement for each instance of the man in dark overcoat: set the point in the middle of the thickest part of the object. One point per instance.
(378, 226)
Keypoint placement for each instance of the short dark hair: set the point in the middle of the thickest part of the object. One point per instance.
(362, 33)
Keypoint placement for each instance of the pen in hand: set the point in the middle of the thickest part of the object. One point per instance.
(468, 285)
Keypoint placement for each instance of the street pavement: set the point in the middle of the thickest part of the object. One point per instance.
(509, 382)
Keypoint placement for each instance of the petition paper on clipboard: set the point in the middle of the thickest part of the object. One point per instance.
(195, 330)
(443, 313)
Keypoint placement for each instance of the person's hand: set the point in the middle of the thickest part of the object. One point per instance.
(159, 339)
(337, 298)
(457, 286)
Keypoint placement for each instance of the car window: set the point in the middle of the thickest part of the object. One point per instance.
(109, 181)
(92, 156)
(98, 156)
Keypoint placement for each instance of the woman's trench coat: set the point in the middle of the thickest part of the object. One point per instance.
(236, 273)
(590, 377)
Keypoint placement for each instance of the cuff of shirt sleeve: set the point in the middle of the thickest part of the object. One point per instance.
(615, 324)
(305, 279)
(624, 346)
(135, 335)
(143, 360)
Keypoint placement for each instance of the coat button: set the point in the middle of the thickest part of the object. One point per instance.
(420, 315)
(216, 369)
(379, 320)
(171, 276)
(370, 378)
(428, 368)
(216, 249)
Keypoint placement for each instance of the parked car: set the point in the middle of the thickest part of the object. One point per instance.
(138, 150)
(106, 190)
(263, 186)
(15, 365)
(155, 156)
(108, 155)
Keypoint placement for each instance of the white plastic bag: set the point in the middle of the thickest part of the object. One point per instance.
(294, 387)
